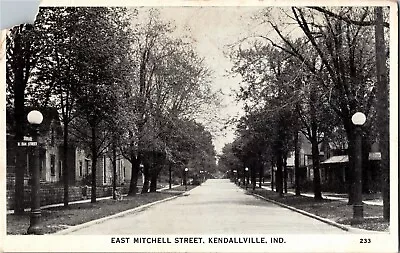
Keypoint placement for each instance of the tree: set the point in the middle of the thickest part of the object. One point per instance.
(23, 53)
(274, 82)
(346, 53)
(170, 80)
(383, 109)
(100, 57)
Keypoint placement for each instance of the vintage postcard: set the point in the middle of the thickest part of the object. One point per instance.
(199, 126)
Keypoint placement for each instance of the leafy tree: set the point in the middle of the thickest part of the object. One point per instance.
(228, 160)
(170, 81)
(346, 53)
(100, 57)
(24, 52)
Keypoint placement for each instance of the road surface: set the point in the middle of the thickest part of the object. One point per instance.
(216, 207)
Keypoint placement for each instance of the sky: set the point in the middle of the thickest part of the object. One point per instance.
(213, 30)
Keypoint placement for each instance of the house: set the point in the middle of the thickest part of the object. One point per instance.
(305, 159)
(334, 172)
(50, 157)
(105, 169)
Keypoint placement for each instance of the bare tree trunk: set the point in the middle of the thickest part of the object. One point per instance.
(114, 155)
(170, 175)
(261, 174)
(285, 174)
(314, 146)
(134, 174)
(253, 178)
(383, 110)
(317, 178)
(153, 182)
(296, 164)
(65, 165)
(272, 176)
(94, 164)
(145, 188)
(279, 176)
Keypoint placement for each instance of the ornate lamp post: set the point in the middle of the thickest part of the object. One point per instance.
(246, 177)
(185, 178)
(141, 166)
(35, 118)
(201, 176)
(358, 120)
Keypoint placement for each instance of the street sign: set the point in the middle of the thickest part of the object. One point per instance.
(28, 138)
(26, 143)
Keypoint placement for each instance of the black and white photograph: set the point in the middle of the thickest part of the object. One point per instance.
(199, 126)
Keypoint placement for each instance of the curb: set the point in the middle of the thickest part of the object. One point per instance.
(330, 222)
(87, 224)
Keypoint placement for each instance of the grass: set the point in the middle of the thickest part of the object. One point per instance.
(58, 218)
(334, 210)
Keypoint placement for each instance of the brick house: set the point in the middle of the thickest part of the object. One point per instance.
(51, 162)
(50, 155)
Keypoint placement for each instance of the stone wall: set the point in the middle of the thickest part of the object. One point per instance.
(54, 194)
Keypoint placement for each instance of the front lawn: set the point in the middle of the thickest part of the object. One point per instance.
(58, 218)
(334, 210)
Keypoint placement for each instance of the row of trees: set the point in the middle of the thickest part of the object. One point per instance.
(312, 80)
(120, 79)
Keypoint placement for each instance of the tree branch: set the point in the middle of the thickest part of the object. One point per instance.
(346, 19)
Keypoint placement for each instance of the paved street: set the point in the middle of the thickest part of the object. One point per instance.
(216, 207)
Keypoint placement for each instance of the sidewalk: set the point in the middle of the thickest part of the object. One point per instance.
(84, 200)
(374, 202)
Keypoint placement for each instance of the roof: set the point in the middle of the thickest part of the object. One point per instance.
(336, 159)
(373, 156)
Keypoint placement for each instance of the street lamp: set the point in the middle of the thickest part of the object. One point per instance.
(235, 175)
(247, 180)
(358, 120)
(141, 166)
(201, 176)
(35, 118)
(185, 178)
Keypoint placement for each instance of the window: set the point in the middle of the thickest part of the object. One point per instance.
(52, 165)
(80, 168)
(87, 167)
(124, 172)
